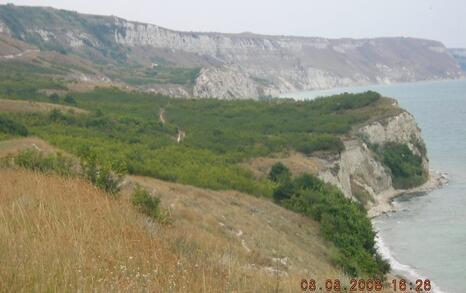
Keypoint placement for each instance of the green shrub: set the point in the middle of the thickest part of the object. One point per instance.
(107, 175)
(70, 100)
(279, 173)
(319, 142)
(12, 127)
(343, 222)
(146, 203)
(406, 168)
(37, 161)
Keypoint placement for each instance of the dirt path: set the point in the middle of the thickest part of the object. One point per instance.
(180, 135)
(162, 116)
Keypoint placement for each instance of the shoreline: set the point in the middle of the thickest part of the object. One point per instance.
(384, 200)
(384, 205)
(293, 94)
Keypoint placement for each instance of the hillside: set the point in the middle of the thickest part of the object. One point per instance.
(63, 233)
(213, 146)
(108, 49)
(255, 192)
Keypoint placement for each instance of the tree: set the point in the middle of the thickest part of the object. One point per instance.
(279, 173)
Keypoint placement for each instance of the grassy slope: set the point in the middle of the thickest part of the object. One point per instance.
(18, 106)
(221, 135)
(59, 234)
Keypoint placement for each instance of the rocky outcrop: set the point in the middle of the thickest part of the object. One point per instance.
(358, 167)
(234, 65)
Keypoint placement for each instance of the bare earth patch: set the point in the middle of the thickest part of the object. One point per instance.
(14, 146)
(296, 162)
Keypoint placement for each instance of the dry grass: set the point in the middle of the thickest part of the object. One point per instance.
(250, 233)
(14, 146)
(297, 163)
(19, 106)
(59, 235)
(64, 235)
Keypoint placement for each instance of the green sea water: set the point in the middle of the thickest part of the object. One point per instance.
(426, 237)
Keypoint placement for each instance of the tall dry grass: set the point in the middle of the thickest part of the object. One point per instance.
(64, 235)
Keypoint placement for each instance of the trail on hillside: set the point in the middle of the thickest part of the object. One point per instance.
(162, 116)
(180, 135)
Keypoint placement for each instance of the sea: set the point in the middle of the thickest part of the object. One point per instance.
(426, 237)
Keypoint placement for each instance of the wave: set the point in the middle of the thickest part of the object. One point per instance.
(404, 270)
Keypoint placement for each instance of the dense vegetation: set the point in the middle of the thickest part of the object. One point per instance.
(107, 177)
(406, 168)
(343, 221)
(126, 127)
(12, 127)
(37, 161)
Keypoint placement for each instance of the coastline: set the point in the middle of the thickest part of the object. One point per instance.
(385, 199)
(385, 205)
(354, 88)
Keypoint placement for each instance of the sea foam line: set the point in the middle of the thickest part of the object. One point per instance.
(402, 269)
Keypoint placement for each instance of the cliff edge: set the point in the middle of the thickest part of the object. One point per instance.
(382, 159)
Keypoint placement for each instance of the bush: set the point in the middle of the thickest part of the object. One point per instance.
(406, 168)
(147, 204)
(283, 191)
(106, 175)
(70, 100)
(279, 173)
(343, 222)
(37, 161)
(12, 127)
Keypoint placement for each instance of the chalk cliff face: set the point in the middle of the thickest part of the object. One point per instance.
(232, 65)
(248, 65)
(357, 167)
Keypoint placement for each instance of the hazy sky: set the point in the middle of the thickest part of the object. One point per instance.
(443, 20)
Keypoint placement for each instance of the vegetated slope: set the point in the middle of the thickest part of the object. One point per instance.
(223, 65)
(18, 106)
(61, 234)
(124, 129)
(219, 134)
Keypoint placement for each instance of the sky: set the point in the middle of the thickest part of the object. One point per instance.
(442, 20)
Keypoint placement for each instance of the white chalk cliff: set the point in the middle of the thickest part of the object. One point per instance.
(233, 65)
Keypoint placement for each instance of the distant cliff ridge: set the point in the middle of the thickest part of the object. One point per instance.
(460, 56)
(227, 65)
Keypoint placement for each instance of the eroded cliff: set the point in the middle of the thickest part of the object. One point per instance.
(360, 170)
(230, 65)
